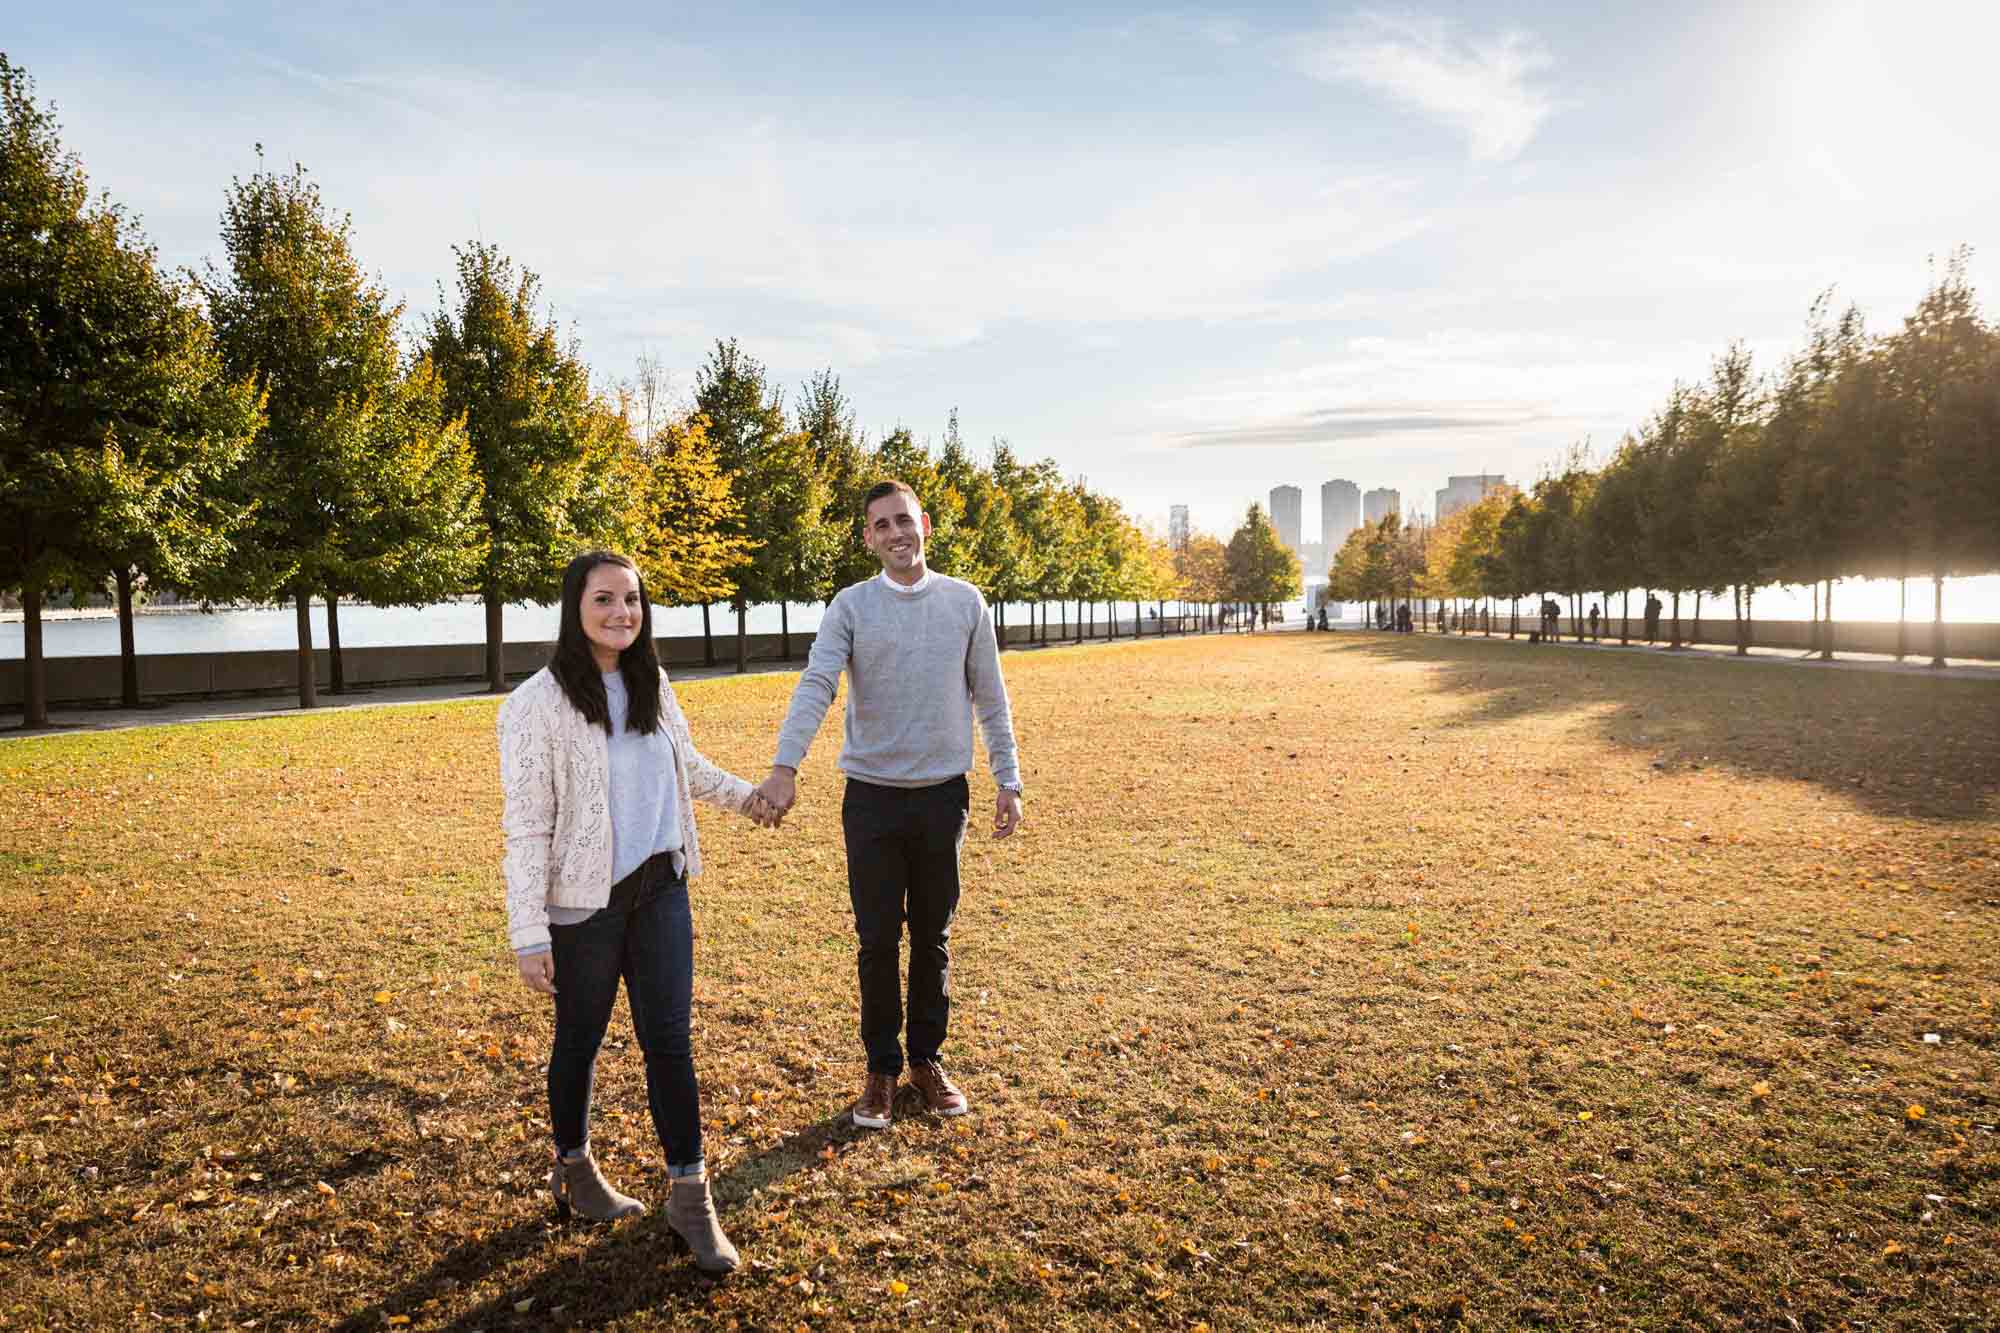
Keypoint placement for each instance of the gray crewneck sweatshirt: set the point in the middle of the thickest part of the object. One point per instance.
(920, 666)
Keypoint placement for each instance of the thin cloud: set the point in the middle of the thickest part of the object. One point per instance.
(1480, 87)
(1328, 425)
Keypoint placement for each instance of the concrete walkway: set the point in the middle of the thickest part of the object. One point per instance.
(1955, 668)
(174, 713)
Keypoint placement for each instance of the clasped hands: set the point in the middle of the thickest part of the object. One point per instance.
(775, 795)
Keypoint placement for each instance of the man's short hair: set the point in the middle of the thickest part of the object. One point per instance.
(882, 490)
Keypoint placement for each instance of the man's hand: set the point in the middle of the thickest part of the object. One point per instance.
(1006, 813)
(538, 971)
(762, 813)
(780, 790)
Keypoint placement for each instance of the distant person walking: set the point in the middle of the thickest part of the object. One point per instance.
(1595, 613)
(922, 664)
(600, 776)
(1653, 608)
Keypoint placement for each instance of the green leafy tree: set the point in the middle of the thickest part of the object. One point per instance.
(117, 417)
(1736, 497)
(552, 457)
(1610, 555)
(412, 536)
(292, 307)
(1045, 530)
(691, 543)
(1203, 568)
(1516, 566)
(826, 418)
(783, 497)
(1944, 373)
(1262, 570)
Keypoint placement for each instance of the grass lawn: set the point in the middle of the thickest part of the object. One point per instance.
(1335, 980)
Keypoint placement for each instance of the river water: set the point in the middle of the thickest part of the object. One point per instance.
(96, 634)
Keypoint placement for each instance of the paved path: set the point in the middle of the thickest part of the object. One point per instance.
(237, 710)
(1955, 668)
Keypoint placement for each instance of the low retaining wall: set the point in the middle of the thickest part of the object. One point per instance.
(89, 681)
(1861, 636)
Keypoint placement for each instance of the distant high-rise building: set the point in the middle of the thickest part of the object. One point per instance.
(1379, 503)
(1285, 509)
(1339, 514)
(1177, 528)
(1459, 492)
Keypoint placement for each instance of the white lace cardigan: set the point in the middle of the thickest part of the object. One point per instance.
(554, 775)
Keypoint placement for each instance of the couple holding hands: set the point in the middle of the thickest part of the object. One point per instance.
(600, 774)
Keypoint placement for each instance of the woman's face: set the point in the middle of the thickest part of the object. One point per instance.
(611, 612)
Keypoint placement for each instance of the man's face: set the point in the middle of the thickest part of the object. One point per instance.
(895, 533)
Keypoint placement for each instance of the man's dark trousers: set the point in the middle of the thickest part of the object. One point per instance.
(902, 863)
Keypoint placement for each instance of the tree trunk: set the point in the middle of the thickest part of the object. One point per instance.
(1086, 619)
(707, 639)
(1000, 626)
(496, 667)
(742, 635)
(1937, 618)
(1696, 637)
(1902, 615)
(1625, 619)
(308, 678)
(34, 666)
(1676, 641)
(128, 653)
(1813, 637)
(785, 630)
(1826, 647)
(1513, 616)
(337, 682)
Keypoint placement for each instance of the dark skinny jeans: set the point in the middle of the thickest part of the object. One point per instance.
(902, 862)
(645, 934)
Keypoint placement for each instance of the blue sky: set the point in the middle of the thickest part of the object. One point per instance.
(1191, 254)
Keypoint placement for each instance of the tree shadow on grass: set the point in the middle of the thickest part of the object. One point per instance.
(1895, 744)
(633, 1266)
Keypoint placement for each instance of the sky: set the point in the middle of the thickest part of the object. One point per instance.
(1190, 254)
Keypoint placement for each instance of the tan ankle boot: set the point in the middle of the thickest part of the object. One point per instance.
(578, 1184)
(691, 1213)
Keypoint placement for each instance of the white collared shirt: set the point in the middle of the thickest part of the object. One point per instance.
(908, 589)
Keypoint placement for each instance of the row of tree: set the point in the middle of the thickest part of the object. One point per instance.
(1864, 455)
(258, 431)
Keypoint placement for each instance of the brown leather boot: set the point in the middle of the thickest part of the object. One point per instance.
(691, 1213)
(577, 1184)
(940, 1093)
(878, 1101)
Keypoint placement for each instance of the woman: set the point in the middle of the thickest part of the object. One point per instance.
(600, 776)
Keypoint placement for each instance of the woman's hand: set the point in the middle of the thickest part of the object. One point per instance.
(538, 971)
(762, 812)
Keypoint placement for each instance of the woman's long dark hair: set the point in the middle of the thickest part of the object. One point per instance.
(575, 668)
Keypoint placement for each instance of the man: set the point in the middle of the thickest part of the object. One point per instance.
(921, 663)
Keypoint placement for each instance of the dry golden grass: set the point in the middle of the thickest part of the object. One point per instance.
(1335, 980)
